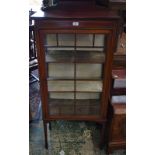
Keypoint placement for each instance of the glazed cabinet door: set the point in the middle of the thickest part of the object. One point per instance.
(74, 68)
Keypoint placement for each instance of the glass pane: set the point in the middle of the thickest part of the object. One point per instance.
(84, 40)
(61, 103)
(90, 56)
(89, 86)
(81, 96)
(64, 104)
(51, 40)
(99, 40)
(53, 55)
(66, 39)
(61, 70)
(69, 57)
(64, 95)
(90, 42)
(88, 71)
(60, 85)
(88, 103)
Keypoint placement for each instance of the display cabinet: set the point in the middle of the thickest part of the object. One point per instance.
(75, 45)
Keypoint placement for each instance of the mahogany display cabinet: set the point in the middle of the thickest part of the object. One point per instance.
(75, 46)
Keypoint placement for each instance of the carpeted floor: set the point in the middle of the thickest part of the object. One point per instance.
(66, 137)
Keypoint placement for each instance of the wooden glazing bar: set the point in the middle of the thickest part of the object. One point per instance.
(93, 40)
(47, 69)
(57, 39)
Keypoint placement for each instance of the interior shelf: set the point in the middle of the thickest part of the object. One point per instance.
(90, 57)
(78, 71)
(89, 86)
(74, 86)
(73, 95)
(74, 107)
(61, 56)
(56, 86)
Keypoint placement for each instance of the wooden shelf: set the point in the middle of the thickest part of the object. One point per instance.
(71, 79)
(74, 86)
(62, 56)
(75, 71)
(90, 57)
(59, 56)
(56, 86)
(89, 86)
(74, 107)
(72, 95)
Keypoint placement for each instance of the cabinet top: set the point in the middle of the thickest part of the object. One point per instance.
(76, 10)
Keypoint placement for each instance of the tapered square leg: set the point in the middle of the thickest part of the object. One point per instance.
(45, 134)
(50, 126)
(102, 139)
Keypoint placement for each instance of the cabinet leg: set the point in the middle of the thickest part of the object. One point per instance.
(109, 151)
(50, 126)
(45, 134)
(102, 139)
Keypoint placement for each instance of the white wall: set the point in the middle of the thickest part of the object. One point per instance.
(35, 4)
